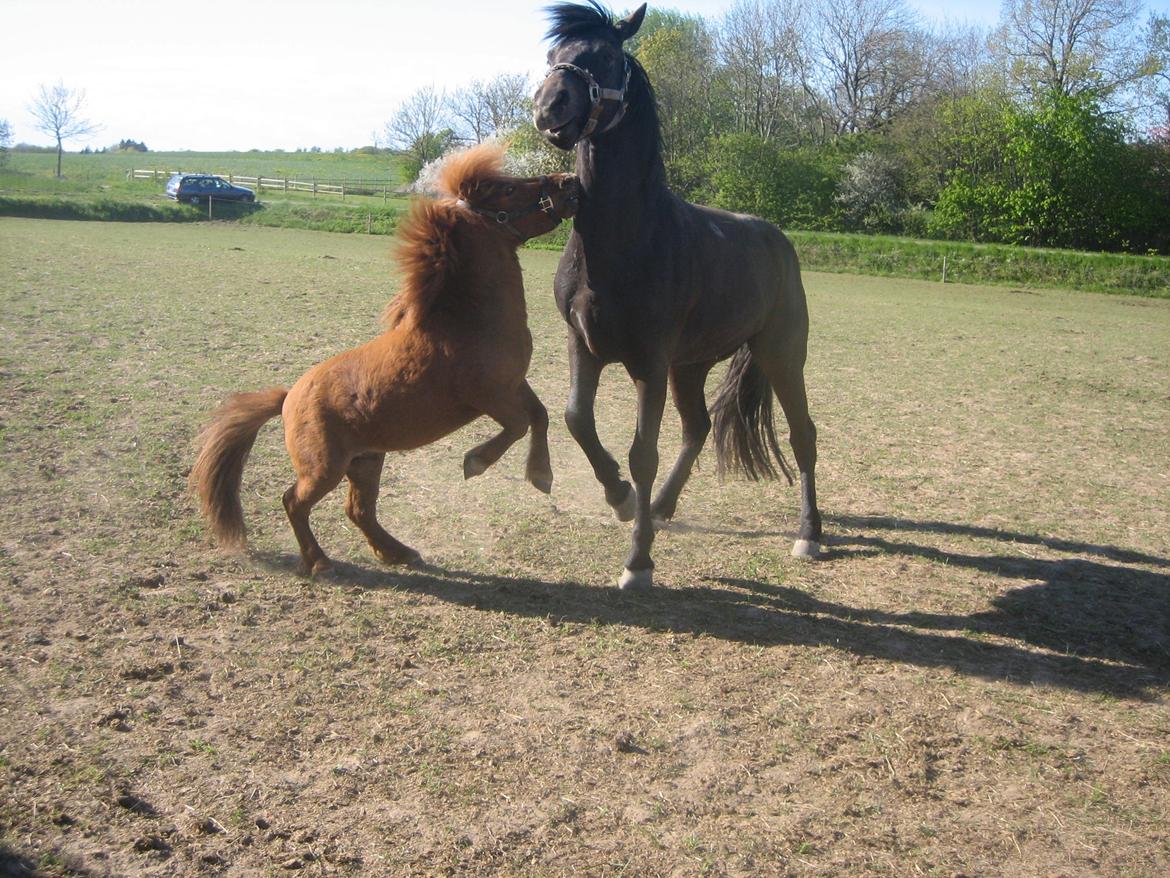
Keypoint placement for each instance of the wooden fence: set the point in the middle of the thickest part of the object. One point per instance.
(334, 188)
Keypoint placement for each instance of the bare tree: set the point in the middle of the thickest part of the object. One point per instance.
(1072, 46)
(5, 141)
(420, 129)
(872, 58)
(763, 56)
(424, 112)
(57, 111)
(487, 108)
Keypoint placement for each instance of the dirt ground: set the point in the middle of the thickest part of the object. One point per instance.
(972, 682)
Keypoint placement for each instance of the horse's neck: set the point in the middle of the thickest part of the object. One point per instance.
(623, 179)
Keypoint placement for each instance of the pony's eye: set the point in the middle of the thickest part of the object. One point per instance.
(510, 190)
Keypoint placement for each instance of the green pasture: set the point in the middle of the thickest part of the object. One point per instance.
(95, 187)
(974, 681)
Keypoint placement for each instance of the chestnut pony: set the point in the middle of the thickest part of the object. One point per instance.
(456, 346)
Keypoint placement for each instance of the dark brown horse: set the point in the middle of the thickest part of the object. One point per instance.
(456, 347)
(667, 289)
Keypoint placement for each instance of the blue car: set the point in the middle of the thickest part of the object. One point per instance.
(198, 188)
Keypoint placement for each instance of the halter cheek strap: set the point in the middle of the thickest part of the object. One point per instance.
(597, 95)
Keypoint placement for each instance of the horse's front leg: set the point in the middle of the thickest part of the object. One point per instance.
(651, 387)
(584, 376)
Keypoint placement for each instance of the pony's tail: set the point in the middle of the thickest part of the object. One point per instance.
(745, 434)
(224, 446)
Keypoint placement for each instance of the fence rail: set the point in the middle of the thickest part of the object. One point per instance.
(341, 188)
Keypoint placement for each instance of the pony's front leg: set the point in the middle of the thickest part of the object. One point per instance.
(538, 469)
(639, 572)
(584, 376)
(510, 413)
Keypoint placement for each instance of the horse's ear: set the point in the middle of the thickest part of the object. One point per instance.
(629, 25)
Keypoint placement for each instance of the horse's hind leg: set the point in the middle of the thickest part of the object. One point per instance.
(783, 362)
(299, 501)
(686, 386)
(361, 505)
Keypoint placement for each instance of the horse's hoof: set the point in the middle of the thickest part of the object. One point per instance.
(806, 549)
(473, 466)
(636, 580)
(321, 568)
(626, 509)
(541, 481)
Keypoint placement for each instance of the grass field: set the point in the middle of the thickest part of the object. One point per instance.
(973, 682)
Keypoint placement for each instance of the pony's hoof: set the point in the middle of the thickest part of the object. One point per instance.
(626, 509)
(473, 466)
(636, 580)
(403, 555)
(806, 549)
(322, 568)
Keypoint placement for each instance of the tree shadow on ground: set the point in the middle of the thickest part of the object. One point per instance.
(1082, 625)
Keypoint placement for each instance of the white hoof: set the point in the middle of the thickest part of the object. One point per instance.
(636, 580)
(808, 549)
(626, 509)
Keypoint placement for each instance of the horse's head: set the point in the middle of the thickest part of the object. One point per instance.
(523, 207)
(584, 91)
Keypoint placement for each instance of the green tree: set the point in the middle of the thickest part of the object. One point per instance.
(792, 188)
(1059, 173)
(679, 60)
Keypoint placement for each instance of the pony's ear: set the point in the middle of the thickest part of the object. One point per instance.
(629, 25)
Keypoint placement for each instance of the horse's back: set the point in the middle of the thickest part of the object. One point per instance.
(746, 278)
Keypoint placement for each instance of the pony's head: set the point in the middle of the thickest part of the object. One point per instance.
(482, 200)
(522, 207)
(585, 90)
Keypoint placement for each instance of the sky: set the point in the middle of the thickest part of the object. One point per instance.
(217, 75)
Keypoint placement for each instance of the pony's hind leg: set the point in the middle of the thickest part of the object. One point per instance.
(686, 386)
(299, 501)
(361, 505)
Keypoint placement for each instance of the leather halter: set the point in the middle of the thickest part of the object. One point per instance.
(505, 218)
(597, 95)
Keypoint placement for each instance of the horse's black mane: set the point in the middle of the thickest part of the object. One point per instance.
(572, 20)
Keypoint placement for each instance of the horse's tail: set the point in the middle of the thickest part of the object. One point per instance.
(224, 446)
(745, 434)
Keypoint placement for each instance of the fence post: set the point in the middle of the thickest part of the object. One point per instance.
(210, 199)
(944, 277)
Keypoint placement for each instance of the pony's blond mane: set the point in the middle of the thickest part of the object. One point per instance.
(426, 249)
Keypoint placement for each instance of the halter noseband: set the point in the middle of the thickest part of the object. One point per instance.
(505, 218)
(597, 94)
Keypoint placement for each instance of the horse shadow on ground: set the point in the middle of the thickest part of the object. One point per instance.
(13, 865)
(1089, 625)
